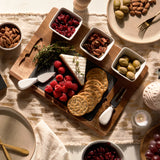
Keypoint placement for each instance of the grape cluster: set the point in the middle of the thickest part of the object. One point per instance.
(153, 152)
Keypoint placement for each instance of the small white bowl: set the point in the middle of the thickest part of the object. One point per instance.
(11, 25)
(96, 30)
(132, 55)
(72, 14)
(98, 143)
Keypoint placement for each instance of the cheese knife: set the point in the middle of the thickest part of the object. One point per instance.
(105, 117)
(26, 83)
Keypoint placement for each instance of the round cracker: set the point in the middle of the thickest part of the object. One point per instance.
(98, 91)
(77, 105)
(95, 82)
(99, 74)
(90, 101)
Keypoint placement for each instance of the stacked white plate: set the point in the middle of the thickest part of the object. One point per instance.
(151, 95)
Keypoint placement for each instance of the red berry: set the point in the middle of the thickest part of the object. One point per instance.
(59, 77)
(56, 94)
(62, 83)
(68, 84)
(57, 64)
(63, 98)
(74, 86)
(68, 78)
(58, 88)
(64, 89)
(53, 83)
(48, 89)
(61, 70)
(71, 93)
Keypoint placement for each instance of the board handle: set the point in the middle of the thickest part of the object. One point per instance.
(26, 83)
(105, 117)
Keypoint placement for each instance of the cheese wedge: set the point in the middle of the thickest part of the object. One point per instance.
(76, 65)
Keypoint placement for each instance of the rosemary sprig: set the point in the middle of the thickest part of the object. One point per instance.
(48, 54)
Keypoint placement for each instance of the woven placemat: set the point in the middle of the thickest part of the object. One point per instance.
(34, 107)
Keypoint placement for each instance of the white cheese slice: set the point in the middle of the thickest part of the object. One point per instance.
(76, 65)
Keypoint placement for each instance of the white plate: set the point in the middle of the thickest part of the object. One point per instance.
(17, 131)
(128, 30)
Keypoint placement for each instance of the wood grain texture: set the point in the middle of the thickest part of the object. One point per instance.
(25, 69)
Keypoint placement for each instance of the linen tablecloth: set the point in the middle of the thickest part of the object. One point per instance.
(69, 131)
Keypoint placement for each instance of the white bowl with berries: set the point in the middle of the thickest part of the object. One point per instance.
(64, 86)
(65, 23)
(102, 149)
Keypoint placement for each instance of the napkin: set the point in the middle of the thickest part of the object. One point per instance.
(48, 145)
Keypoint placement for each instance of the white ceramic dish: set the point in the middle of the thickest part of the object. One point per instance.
(103, 142)
(132, 55)
(96, 30)
(11, 24)
(72, 14)
(128, 28)
(17, 131)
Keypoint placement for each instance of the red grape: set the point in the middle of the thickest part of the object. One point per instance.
(158, 144)
(153, 148)
(149, 154)
(156, 157)
(156, 137)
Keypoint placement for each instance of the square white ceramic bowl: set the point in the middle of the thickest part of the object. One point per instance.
(132, 55)
(96, 30)
(73, 15)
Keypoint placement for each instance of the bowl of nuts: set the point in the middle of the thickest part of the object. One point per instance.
(128, 64)
(65, 23)
(10, 36)
(102, 149)
(97, 44)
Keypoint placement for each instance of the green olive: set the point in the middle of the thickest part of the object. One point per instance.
(126, 2)
(122, 70)
(136, 63)
(130, 75)
(131, 68)
(126, 57)
(123, 62)
(124, 9)
(119, 14)
(116, 4)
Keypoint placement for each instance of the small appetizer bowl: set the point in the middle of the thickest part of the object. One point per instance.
(102, 148)
(65, 23)
(97, 44)
(128, 64)
(10, 36)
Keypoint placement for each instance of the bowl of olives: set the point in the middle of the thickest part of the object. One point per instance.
(128, 64)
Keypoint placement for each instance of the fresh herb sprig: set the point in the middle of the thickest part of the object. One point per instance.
(48, 54)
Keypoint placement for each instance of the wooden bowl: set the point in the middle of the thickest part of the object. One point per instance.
(146, 139)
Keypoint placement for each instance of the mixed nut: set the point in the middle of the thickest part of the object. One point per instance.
(133, 7)
(128, 67)
(9, 36)
(96, 44)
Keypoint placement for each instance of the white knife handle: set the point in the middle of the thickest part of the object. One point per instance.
(26, 83)
(106, 115)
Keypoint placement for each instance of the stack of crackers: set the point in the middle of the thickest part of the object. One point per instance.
(91, 94)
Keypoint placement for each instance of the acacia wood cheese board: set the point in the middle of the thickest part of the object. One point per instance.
(24, 67)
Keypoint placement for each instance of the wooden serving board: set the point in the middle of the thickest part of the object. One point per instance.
(24, 66)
